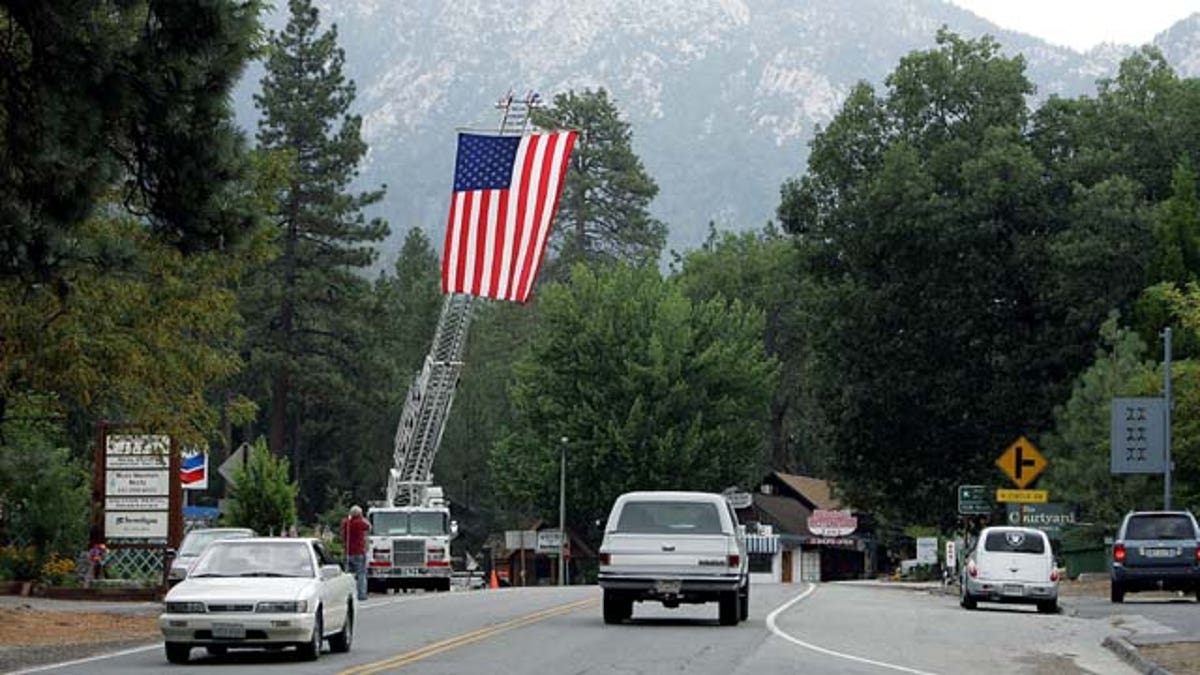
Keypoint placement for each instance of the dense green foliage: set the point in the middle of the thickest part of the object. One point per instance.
(130, 94)
(311, 309)
(650, 389)
(263, 496)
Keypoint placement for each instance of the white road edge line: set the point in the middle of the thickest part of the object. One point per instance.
(76, 662)
(821, 650)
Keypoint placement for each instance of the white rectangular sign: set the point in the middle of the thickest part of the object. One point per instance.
(144, 444)
(1137, 435)
(147, 483)
(135, 525)
(136, 503)
(927, 550)
(136, 461)
(549, 541)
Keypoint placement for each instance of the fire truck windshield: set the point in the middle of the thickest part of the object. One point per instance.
(392, 523)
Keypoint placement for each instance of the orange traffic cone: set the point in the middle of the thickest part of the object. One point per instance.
(494, 582)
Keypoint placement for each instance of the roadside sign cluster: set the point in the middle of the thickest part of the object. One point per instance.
(1137, 435)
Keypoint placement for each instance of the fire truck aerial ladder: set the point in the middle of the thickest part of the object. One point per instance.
(411, 528)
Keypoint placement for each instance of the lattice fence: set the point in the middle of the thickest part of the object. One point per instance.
(135, 564)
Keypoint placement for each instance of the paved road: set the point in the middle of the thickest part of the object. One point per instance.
(1146, 618)
(831, 628)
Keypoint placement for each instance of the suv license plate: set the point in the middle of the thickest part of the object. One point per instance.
(668, 586)
(229, 630)
(1014, 589)
(1159, 552)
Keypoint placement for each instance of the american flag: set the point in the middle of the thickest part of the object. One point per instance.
(506, 190)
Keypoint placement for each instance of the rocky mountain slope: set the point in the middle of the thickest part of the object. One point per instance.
(723, 95)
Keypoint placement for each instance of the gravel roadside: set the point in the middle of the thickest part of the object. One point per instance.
(39, 631)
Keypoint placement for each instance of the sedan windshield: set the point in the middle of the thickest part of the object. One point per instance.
(195, 542)
(256, 559)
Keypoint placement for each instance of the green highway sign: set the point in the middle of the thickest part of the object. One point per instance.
(974, 500)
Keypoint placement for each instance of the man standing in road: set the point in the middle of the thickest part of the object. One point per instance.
(354, 546)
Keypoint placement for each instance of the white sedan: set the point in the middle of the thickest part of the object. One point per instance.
(260, 592)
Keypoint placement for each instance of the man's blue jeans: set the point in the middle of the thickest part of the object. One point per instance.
(357, 564)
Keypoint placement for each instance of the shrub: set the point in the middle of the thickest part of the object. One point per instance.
(18, 563)
(58, 570)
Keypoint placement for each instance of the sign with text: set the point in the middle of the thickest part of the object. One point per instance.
(1049, 518)
(832, 523)
(1137, 435)
(136, 503)
(1023, 496)
(133, 483)
(974, 500)
(143, 444)
(135, 524)
(927, 550)
(548, 541)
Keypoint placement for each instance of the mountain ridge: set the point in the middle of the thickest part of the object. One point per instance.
(722, 95)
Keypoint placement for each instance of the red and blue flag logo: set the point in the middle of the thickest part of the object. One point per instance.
(193, 470)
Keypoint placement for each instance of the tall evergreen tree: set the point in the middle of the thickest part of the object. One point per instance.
(603, 214)
(136, 94)
(309, 330)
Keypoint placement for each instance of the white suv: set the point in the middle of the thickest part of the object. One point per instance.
(1011, 564)
(674, 548)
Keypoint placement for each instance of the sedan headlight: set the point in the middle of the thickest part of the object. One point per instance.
(289, 607)
(186, 608)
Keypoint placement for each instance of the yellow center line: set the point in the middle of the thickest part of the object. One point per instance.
(435, 648)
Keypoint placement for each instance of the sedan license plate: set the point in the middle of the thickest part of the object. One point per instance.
(668, 586)
(1159, 552)
(1013, 589)
(229, 631)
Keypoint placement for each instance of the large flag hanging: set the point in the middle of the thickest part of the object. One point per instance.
(506, 190)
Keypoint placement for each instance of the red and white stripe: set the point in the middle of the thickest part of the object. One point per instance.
(496, 239)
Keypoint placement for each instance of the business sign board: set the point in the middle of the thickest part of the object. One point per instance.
(1137, 434)
(1049, 518)
(136, 525)
(927, 550)
(137, 483)
(832, 523)
(951, 554)
(193, 469)
(136, 490)
(518, 540)
(549, 541)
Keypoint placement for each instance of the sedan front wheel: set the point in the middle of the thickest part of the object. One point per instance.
(178, 652)
(310, 650)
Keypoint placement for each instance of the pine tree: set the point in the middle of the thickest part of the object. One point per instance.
(305, 303)
(603, 213)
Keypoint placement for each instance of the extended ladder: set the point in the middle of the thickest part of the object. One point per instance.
(423, 419)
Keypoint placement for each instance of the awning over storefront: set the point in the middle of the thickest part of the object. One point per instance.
(760, 543)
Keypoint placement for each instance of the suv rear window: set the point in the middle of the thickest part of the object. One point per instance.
(1160, 526)
(657, 517)
(1012, 541)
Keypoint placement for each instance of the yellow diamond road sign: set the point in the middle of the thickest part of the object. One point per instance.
(1022, 462)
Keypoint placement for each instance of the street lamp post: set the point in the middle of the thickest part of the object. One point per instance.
(562, 513)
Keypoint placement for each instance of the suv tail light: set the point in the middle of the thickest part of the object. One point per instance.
(1054, 574)
(972, 570)
(1198, 552)
(605, 559)
(1119, 553)
(734, 560)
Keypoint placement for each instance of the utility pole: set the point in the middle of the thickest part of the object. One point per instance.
(562, 513)
(1167, 418)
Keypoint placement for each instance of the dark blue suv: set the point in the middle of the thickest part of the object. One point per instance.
(1156, 551)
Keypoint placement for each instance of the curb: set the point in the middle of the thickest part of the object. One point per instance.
(1129, 654)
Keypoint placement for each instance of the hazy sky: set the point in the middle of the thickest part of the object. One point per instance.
(1084, 23)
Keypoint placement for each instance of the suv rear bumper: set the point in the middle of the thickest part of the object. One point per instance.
(692, 590)
(1175, 578)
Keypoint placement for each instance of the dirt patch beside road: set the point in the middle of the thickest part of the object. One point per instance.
(1179, 658)
(33, 637)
